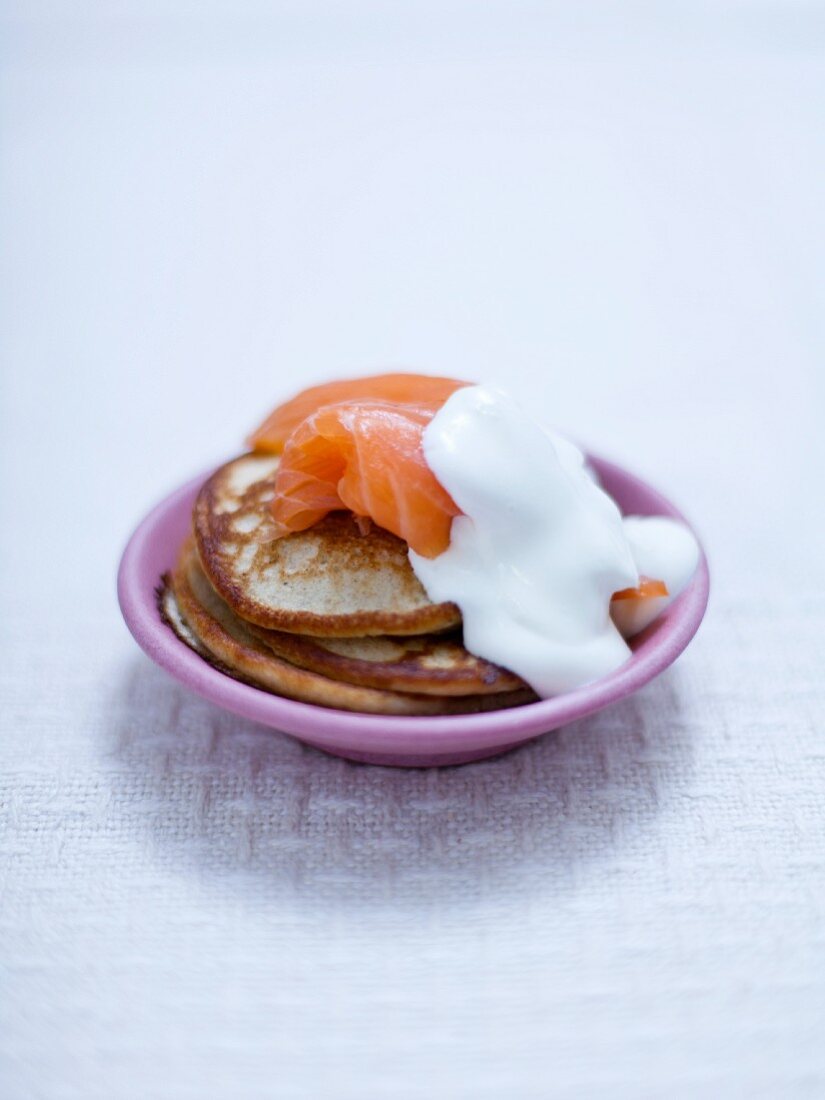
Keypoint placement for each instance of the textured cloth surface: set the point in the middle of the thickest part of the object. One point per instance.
(623, 220)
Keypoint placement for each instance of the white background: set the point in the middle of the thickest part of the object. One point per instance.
(616, 209)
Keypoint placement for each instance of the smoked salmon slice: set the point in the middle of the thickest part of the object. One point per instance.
(366, 456)
(647, 589)
(271, 436)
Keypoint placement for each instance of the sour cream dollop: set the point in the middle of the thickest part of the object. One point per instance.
(540, 549)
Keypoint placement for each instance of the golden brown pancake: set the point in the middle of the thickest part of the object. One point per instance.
(233, 647)
(170, 613)
(331, 581)
(430, 664)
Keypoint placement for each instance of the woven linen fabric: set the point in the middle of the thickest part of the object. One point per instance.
(621, 219)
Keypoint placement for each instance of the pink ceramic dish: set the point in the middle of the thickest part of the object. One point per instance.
(406, 742)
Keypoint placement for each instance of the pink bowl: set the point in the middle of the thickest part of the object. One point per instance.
(405, 742)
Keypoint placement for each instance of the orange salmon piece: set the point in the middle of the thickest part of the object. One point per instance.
(415, 389)
(647, 589)
(366, 456)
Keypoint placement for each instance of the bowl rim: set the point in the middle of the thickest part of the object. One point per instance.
(370, 731)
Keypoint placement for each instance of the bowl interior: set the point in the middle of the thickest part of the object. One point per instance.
(395, 740)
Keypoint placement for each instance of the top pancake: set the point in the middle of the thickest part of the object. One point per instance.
(330, 581)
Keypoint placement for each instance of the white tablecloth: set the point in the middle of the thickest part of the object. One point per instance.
(619, 213)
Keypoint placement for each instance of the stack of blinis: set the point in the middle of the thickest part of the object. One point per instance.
(332, 614)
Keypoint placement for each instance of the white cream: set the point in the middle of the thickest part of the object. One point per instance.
(540, 548)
